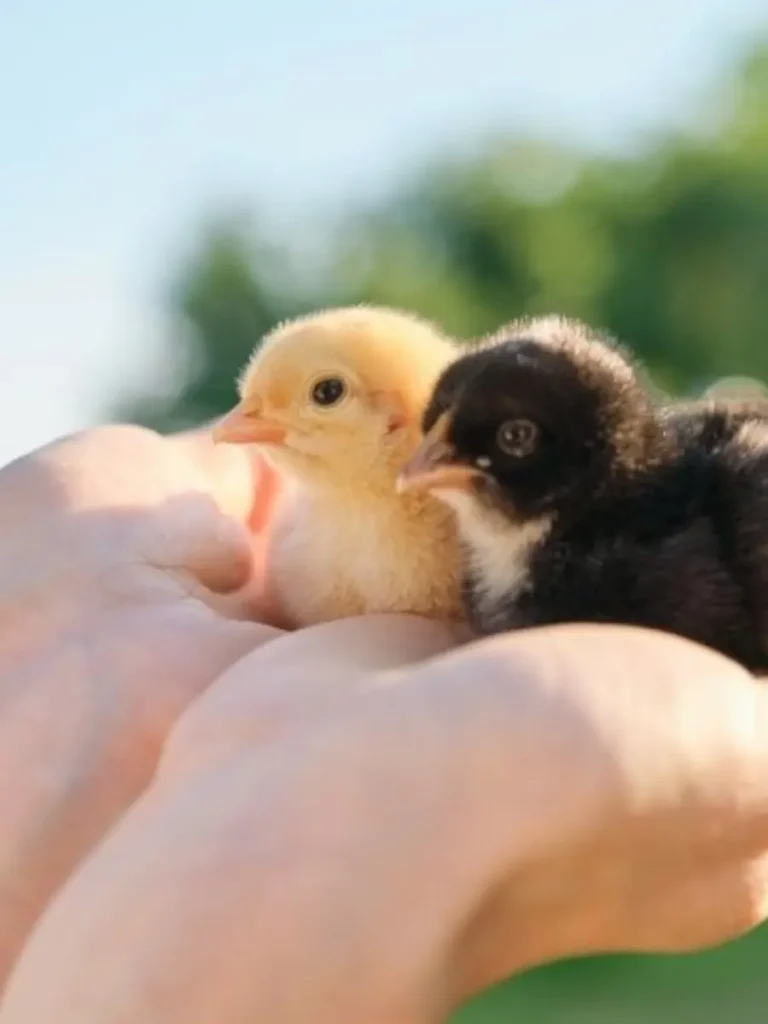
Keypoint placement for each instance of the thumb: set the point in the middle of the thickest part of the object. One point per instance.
(241, 482)
(299, 678)
(194, 646)
(221, 540)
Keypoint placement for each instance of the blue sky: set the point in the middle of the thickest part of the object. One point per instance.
(122, 124)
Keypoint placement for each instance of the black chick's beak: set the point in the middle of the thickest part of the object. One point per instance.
(435, 465)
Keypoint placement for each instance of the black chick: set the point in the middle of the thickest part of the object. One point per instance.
(580, 497)
(709, 423)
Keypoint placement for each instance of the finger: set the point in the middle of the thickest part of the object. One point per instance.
(188, 647)
(231, 568)
(252, 602)
(366, 643)
(190, 539)
(299, 677)
(241, 482)
(214, 646)
(703, 909)
(224, 564)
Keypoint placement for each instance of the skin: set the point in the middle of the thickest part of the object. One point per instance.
(356, 822)
(115, 548)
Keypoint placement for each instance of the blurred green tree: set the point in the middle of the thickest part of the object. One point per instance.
(666, 248)
(225, 297)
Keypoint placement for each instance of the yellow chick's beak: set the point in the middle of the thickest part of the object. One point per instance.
(240, 426)
(433, 466)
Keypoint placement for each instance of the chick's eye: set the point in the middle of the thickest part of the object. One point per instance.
(328, 391)
(517, 437)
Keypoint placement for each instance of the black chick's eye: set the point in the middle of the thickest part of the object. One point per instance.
(517, 438)
(328, 391)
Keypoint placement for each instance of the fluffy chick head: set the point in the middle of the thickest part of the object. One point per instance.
(540, 416)
(341, 391)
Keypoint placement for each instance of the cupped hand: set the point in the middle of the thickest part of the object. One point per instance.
(126, 561)
(358, 838)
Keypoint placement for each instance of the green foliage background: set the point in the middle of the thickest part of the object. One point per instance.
(667, 248)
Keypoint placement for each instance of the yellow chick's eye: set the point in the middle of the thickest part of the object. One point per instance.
(328, 391)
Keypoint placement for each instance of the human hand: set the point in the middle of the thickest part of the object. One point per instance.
(118, 551)
(383, 841)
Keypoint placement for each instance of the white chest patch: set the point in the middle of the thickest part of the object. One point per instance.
(499, 551)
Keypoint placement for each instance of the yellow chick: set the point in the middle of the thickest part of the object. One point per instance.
(335, 399)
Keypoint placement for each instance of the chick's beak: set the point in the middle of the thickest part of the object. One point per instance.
(435, 465)
(241, 426)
